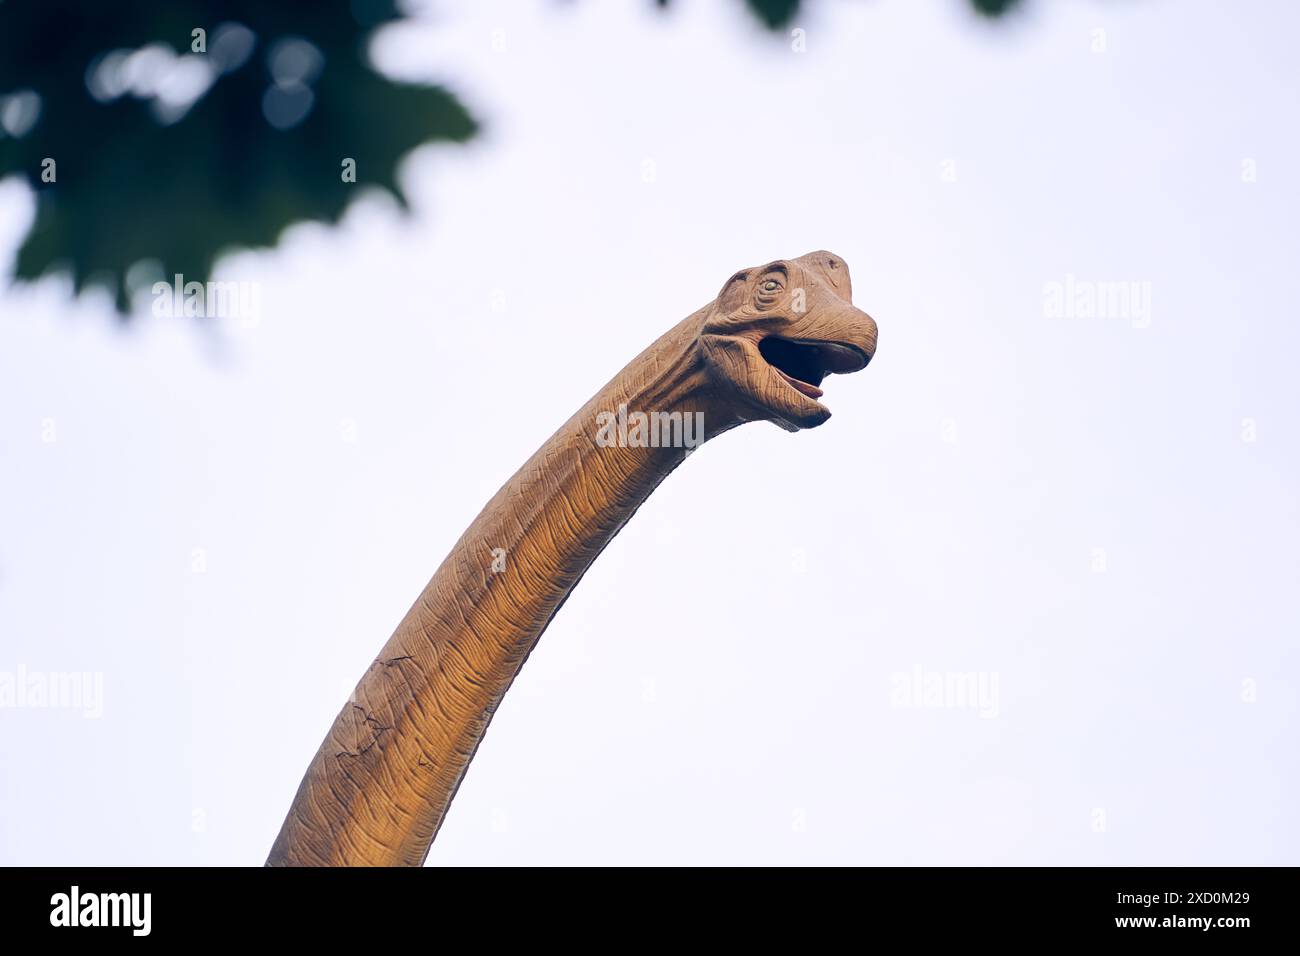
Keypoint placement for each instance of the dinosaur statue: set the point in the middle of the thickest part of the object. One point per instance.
(380, 784)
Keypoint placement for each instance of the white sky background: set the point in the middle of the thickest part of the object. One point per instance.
(720, 687)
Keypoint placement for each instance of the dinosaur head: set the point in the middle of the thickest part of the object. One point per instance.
(775, 331)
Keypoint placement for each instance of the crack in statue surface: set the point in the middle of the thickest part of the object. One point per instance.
(758, 352)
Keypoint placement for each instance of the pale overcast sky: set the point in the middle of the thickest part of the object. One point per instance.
(1093, 515)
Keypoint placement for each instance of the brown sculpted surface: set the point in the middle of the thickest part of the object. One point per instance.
(380, 784)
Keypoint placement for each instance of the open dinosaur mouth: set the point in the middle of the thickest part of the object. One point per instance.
(804, 364)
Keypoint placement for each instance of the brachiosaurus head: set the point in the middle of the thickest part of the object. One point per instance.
(775, 331)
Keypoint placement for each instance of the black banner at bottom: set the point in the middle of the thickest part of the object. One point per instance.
(650, 907)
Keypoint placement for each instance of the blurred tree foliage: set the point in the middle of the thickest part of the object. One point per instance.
(171, 146)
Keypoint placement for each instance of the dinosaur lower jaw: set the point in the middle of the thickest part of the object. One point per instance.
(812, 391)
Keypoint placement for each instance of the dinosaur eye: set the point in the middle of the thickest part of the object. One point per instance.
(771, 285)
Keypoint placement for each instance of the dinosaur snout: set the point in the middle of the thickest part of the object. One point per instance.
(851, 333)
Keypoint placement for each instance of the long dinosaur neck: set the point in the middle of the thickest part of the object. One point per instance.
(378, 788)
